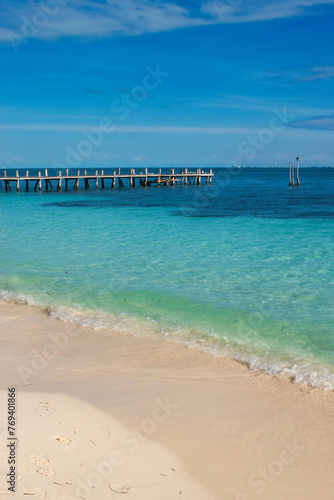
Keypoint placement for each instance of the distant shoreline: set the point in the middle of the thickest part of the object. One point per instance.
(168, 167)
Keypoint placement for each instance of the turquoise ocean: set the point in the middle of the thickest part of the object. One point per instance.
(241, 268)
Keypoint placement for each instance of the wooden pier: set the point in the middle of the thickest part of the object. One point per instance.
(103, 180)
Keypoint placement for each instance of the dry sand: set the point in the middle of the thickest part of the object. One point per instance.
(99, 411)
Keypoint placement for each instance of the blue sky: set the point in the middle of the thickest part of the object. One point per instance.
(149, 83)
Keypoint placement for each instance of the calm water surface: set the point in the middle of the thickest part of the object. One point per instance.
(241, 268)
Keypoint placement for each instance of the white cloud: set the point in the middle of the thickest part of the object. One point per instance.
(316, 123)
(322, 126)
(241, 11)
(305, 128)
(16, 159)
(291, 75)
(318, 73)
(140, 158)
(53, 19)
(154, 129)
(87, 18)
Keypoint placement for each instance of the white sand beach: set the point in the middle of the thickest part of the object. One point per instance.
(100, 414)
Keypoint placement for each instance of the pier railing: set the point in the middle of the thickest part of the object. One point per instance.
(102, 179)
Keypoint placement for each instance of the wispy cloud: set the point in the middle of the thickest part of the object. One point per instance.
(17, 159)
(107, 18)
(302, 128)
(232, 11)
(96, 19)
(154, 129)
(292, 75)
(316, 123)
(259, 104)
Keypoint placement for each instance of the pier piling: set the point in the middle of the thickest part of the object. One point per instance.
(59, 181)
(145, 179)
(297, 158)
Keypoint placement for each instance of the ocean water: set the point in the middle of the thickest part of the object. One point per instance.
(241, 268)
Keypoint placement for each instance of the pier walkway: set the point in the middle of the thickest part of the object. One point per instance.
(101, 180)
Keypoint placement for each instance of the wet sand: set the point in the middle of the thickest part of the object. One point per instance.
(99, 411)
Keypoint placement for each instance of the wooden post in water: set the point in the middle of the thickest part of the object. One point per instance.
(27, 183)
(172, 178)
(113, 180)
(46, 181)
(298, 183)
(39, 182)
(6, 182)
(76, 184)
(96, 179)
(211, 175)
(186, 176)
(102, 179)
(199, 176)
(120, 182)
(66, 180)
(292, 175)
(131, 183)
(17, 182)
(145, 182)
(59, 181)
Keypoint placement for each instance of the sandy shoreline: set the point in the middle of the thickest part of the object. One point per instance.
(228, 432)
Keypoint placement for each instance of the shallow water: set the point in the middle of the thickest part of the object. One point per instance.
(241, 268)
